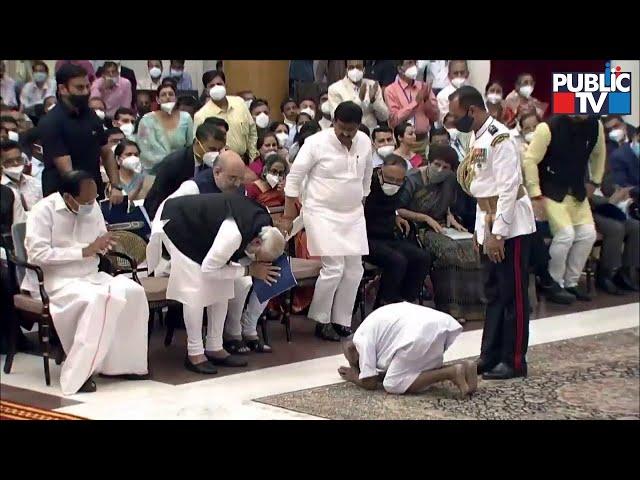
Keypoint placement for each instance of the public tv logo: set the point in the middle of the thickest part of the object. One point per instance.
(592, 93)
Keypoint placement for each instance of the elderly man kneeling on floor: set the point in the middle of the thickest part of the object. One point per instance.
(403, 345)
(217, 243)
(101, 320)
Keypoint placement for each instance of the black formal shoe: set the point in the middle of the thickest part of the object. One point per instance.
(205, 368)
(580, 293)
(228, 361)
(88, 387)
(342, 330)
(622, 280)
(502, 371)
(127, 376)
(325, 331)
(483, 366)
(606, 285)
(556, 294)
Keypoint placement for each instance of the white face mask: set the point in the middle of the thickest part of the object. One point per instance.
(282, 138)
(355, 75)
(217, 92)
(272, 180)
(113, 148)
(127, 128)
(13, 136)
(14, 172)
(617, 134)
(458, 81)
(528, 137)
(155, 72)
(99, 113)
(411, 72)
(210, 157)
(262, 120)
(309, 111)
(526, 91)
(82, 208)
(389, 189)
(132, 163)
(453, 133)
(326, 108)
(386, 150)
(494, 98)
(167, 107)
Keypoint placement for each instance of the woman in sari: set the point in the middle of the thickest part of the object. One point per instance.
(267, 145)
(427, 198)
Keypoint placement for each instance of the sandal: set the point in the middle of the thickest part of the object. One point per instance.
(236, 347)
(257, 345)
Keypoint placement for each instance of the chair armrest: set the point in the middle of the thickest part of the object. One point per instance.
(133, 264)
(39, 273)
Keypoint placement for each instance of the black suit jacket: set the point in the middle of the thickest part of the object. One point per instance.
(130, 75)
(175, 168)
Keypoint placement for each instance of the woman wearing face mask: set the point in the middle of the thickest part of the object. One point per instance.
(268, 190)
(154, 79)
(428, 199)
(406, 138)
(135, 184)
(521, 99)
(526, 126)
(163, 131)
(493, 94)
(281, 130)
(267, 145)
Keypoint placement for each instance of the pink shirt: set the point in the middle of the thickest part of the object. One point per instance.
(400, 98)
(86, 64)
(115, 97)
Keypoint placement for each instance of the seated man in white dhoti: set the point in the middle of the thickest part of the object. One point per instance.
(403, 344)
(101, 320)
(214, 240)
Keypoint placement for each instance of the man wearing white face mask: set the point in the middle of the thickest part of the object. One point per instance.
(325, 107)
(458, 73)
(617, 131)
(154, 79)
(102, 321)
(185, 164)
(404, 264)
(365, 93)
(242, 135)
(383, 146)
(259, 110)
(25, 187)
(124, 119)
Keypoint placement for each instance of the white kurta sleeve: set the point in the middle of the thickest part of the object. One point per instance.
(216, 263)
(368, 172)
(367, 358)
(38, 241)
(506, 165)
(305, 160)
(380, 107)
(188, 187)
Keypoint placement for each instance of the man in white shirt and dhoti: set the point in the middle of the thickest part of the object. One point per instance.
(214, 239)
(403, 345)
(335, 165)
(101, 320)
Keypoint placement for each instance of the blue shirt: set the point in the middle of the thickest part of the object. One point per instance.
(184, 82)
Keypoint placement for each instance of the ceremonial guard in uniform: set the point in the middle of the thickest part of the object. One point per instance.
(491, 172)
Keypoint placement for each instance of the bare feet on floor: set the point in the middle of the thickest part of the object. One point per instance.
(348, 373)
(460, 378)
(471, 375)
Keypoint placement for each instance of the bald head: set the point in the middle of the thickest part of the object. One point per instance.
(228, 171)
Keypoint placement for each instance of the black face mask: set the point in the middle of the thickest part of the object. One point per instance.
(464, 124)
(81, 102)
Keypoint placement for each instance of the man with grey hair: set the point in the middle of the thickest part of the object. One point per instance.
(216, 240)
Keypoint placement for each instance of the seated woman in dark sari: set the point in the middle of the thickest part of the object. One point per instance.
(268, 189)
(426, 199)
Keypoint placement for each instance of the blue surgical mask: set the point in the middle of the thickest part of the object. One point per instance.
(39, 77)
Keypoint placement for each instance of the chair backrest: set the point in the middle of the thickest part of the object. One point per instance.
(131, 245)
(18, 233)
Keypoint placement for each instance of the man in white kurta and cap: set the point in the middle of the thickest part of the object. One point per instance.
(335, 166)
(101, 320)
(214, 239)
(403, 345)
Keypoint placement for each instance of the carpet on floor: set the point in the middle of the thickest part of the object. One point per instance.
(19, 411)
(594, 377)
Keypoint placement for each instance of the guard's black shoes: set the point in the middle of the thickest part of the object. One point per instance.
(623, 280)
(325, 331)
(502, 371)
(580, 293)
(483, 366)
(556, 294)
(342, 330)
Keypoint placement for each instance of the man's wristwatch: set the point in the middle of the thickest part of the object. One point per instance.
(498, 237)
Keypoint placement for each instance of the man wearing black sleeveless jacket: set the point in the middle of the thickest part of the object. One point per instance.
(214, 239)
(566, 151)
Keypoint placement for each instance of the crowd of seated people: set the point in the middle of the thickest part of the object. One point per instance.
(152, 144)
